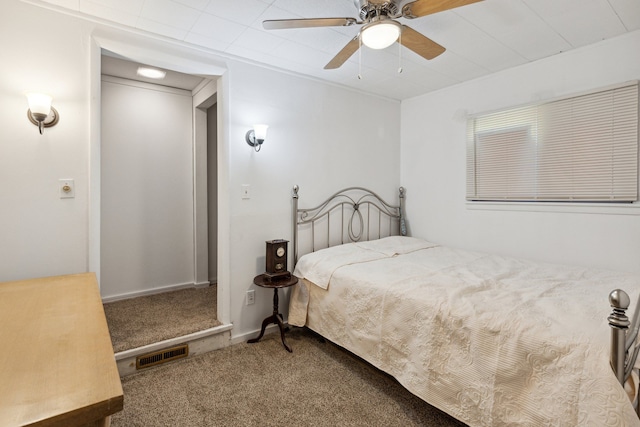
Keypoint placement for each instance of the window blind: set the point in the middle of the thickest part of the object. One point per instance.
(582, 149)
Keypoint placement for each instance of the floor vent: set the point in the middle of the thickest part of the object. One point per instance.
(162, 356)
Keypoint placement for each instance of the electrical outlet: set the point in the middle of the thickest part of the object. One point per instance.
(251, 297)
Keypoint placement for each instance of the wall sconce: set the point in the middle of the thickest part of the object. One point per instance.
(40, 112)
(256, 136)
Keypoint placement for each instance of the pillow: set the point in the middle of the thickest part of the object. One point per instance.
(396, 245)
(319, 266)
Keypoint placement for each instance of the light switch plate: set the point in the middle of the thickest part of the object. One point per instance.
(67, 188)
(246, 193)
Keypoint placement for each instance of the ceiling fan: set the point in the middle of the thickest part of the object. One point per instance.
(379, 26)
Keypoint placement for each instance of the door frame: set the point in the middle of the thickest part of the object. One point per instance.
(186, 60)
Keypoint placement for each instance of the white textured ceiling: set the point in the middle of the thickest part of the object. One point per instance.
(480, 38)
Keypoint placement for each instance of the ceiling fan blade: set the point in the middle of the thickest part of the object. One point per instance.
(423, 46)
(344, 54)
(420, 8)
(278, 24)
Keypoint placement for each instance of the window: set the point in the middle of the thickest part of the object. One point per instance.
(580, 149)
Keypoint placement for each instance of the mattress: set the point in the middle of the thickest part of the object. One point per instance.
(491, 340)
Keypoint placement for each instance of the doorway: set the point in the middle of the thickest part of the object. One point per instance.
(153, 199)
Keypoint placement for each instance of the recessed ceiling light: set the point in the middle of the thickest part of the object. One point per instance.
(151, 73)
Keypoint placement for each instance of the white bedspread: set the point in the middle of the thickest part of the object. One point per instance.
(318, 267)
(493, 341)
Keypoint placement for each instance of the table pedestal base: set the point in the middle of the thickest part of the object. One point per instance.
(275, 318)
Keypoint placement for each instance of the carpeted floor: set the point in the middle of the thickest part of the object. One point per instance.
(145, 320)
(261, 384)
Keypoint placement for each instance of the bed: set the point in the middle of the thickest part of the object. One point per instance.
(491, 340)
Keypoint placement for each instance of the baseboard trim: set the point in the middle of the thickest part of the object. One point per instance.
(153, 291)
(237, 339)
(172, 341)
(198, 342)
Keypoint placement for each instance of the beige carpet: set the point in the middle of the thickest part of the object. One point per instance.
(261, 384)
(145, 320)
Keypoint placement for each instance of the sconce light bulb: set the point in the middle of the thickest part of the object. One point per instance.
(256, 136)
(40, 112)
(260, 132)
(39, 104)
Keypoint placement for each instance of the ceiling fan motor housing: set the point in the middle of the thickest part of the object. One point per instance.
(371, 8)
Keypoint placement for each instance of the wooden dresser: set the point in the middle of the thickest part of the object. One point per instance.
(57, 366)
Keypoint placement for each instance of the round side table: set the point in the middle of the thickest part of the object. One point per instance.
(275, 283)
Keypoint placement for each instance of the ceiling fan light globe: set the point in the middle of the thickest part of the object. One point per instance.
(380, 35)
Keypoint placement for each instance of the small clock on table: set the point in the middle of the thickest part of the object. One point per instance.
(276, 259)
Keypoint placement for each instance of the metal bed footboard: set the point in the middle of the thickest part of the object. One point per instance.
(624, 334)
(361, 215)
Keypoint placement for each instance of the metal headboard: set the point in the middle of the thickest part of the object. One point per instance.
(361, 215)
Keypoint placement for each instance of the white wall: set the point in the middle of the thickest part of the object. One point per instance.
(321, 137)
(434, 154)
(41, 234)
(146, 188)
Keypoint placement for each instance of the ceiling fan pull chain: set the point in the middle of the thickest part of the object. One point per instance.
(360, 58)
(400, 53)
